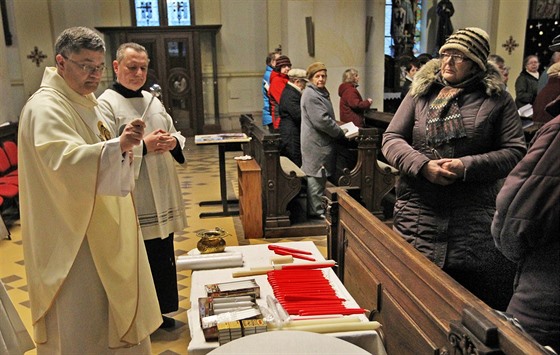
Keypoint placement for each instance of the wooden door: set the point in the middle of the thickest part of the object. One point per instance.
(174, 66)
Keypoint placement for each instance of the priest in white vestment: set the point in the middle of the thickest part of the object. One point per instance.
(157, 194)
(88, 276)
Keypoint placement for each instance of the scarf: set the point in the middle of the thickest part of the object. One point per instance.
(444, 118)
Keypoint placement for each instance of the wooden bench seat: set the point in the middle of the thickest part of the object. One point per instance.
(370, 180)
(281, 182)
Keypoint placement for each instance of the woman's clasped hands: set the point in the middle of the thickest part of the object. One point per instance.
(443, 171)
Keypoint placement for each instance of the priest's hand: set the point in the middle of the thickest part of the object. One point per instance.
(132, 134)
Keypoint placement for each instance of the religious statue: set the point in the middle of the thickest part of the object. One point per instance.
(444, 11)
(403, 26)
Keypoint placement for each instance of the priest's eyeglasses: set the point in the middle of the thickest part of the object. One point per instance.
(86, 68)
(457, 58)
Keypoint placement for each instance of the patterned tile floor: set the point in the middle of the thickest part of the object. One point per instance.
(200, 182)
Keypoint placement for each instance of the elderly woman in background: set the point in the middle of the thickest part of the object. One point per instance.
(319, 132)
(352, 106)
(453, 138)
(527, 83)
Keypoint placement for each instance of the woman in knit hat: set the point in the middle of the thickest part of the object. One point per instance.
(319, 132)
(453, 138)
(278, 80)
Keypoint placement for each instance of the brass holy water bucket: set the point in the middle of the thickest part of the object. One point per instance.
(211, 241)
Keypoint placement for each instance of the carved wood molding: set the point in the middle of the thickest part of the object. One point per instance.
(473, 334)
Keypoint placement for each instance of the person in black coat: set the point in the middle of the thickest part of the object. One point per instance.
(290, 114)
(527, 83)
(411, 68)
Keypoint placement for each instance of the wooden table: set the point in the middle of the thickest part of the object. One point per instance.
(227, 142)
(257, 256)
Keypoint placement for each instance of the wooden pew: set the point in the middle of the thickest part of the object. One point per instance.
(279, 187)
(422, 310)
(373, 178)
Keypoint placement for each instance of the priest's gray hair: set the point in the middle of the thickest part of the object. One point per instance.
(74, 39)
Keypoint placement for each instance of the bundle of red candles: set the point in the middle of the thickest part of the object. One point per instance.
(296, 253)
(306, 292)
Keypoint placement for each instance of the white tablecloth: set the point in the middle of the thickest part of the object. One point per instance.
(288, 342)
(259, 256)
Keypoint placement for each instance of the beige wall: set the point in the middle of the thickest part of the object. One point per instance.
(508, 24)
(6, 99)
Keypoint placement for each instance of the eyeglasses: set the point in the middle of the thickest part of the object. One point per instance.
(457, 58)
(86, 68)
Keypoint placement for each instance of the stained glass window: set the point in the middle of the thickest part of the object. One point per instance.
(147, 12)
(388, 17)
(178, 13)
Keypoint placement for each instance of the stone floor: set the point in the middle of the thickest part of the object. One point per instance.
(199, 178)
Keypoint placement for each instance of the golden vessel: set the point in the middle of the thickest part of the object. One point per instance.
(211, 241)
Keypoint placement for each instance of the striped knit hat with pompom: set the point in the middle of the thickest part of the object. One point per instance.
(472, 42)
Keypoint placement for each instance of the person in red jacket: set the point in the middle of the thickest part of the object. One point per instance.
(278, 80)
(352, 106)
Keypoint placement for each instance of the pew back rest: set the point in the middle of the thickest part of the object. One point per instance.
(422, 310)
(279, 184)
(374, 178)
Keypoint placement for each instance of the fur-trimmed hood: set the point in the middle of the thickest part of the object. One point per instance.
(429, 75)
(554, 70)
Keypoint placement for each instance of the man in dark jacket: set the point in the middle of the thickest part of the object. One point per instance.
(290, 115)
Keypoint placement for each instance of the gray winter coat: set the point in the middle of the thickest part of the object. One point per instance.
(451, 224)
(319, 132)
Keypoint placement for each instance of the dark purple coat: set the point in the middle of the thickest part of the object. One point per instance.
(549, 92)
(526, 229)
(451, 224)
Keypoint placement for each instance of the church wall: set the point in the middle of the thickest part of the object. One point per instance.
(8, 101)
(510, 20)
(250, 29)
